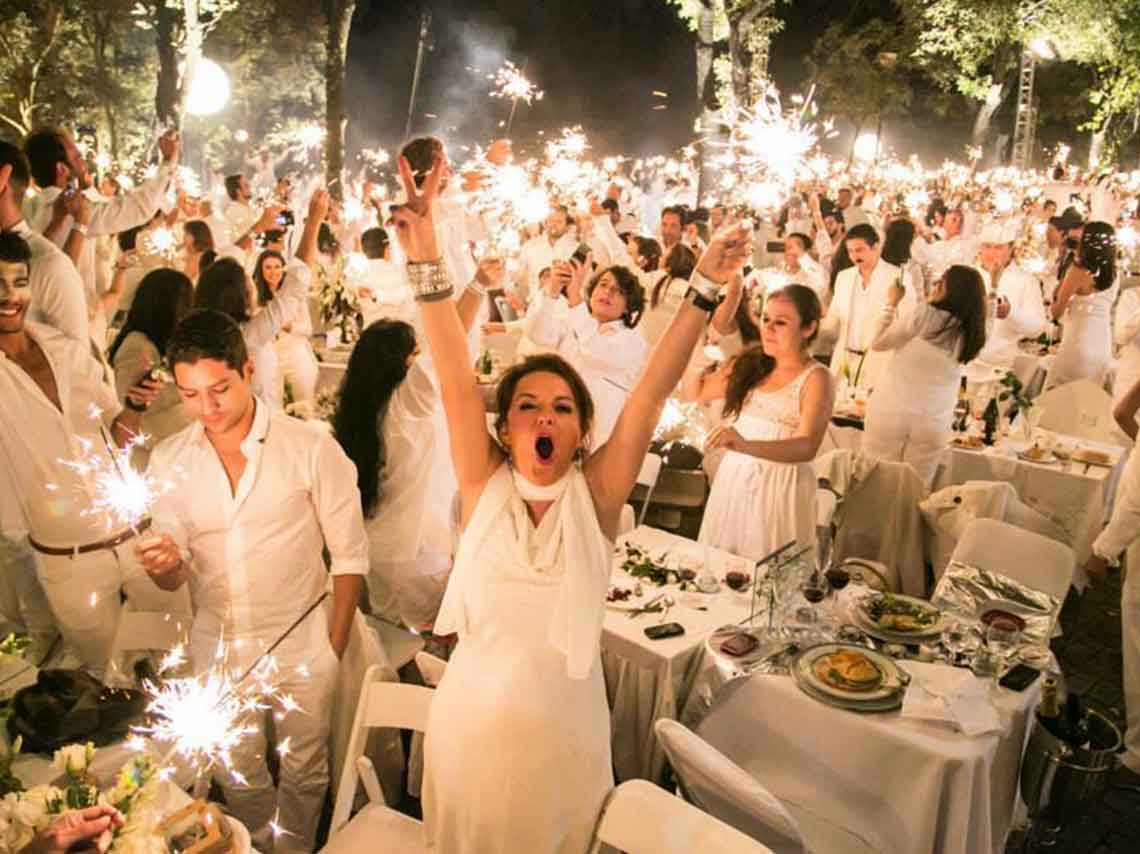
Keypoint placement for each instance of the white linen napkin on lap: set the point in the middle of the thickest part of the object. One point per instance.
(949, 695)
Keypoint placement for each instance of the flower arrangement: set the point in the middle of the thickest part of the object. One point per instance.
(320, 409)
(24, 812)
(339, 303)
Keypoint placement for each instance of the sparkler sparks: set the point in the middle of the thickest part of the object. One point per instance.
(509, 82)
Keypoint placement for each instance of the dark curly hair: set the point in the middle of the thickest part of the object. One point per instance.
(549, 363)
(631, 289)
(221, 287)
(1097, 254)
(376, 368)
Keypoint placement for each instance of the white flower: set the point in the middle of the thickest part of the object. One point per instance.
(73, 759)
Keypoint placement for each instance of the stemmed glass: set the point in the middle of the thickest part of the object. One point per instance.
(814, 589)
(1003, 638)
(956, 639)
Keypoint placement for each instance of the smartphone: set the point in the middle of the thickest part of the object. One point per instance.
(506, 310)
(581, 252)
(665, 630)
(1019, 678)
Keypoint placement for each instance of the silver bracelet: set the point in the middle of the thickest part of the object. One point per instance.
(478, 288)
(429, 280)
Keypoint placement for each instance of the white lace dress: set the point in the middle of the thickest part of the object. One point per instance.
(517, 751)
(1086, 343)
(758, 505)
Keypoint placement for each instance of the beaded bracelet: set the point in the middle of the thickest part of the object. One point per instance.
(429, 280)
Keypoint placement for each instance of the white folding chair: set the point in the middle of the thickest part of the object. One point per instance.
(431, 668)
(641, 818)
(400, 645)
(647, 477)
(1025, 557)
(722, 788)
(1081, 408)
(145, 630)
(377, 826)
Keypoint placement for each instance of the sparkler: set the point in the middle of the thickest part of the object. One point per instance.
(161, 241)
(509, 82)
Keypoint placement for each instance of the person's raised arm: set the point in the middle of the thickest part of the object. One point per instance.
(891, 332)
(318, 210)
(488, 275)
(612, 471)
(473, 453)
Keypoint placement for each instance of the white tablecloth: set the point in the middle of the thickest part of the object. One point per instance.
(650, 679)
(916, 787)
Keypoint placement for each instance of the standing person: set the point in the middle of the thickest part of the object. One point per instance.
(259, 495)
(198, 250)
(860, 294)
(1084, 302)
(555, 243)
(959, 246)
(898, 241)
(163, 298)
(776, 408)
(523, 694)
(55, 163)
(1126, 336)
(802, 268)
(672, 228)
(909, 416)
(1014, 304)
(57, 293)
(58, 408)
(667, 292)
(294, 342)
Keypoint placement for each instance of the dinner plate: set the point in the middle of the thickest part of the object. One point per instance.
(888, 704)
(891, 684)
(649, 591)
(962, 446)
(850, 701)
(863, 620)
(1049, 459)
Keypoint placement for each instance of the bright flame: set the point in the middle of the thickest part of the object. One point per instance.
(509, 82)
(209, 90)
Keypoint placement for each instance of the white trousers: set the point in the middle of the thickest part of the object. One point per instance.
(1130, 646)
(915, 439)
(298, 366)
(23, 606)
(306, 671)
(85, 595)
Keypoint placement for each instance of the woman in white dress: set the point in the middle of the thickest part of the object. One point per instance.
(294, 344)
(1084, 305)
(666, 291)
(777, 406)
(517, 754)
(911, 413)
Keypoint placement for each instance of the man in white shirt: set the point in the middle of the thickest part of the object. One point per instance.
(1015, 303)
(260, 495)
(672, 228)
(555, 243)
(58, 412)
(55, 162)
(57, 289)
(959, 247)
(382, 286)
(860, 295)
(238, 212)
(853, 214)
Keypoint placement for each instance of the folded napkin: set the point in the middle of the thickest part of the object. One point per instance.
(949, 695)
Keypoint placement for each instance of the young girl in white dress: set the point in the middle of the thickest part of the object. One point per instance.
(777, 406)
(1084, 305)
(911, 413)
(517, 750)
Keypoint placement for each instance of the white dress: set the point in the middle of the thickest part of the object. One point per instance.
(409, 541)
(757, 505)
(517, 752)
(1086, 343)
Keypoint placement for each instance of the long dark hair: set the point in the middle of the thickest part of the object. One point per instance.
(753, 366)
(840, 261)
(650, 252)
(545, 363)
(163, 298)
(221, 287)
(200, 235)
(965, 301)
(1098, 254)
(897, 242)
(377, 366)
(264, 293)
(679, 264)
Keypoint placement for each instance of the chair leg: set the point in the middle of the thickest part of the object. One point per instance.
(645, 504)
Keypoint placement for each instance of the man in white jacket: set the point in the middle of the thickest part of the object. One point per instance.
(860, 295)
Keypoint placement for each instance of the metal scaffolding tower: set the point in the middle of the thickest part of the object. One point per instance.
(1025, 125)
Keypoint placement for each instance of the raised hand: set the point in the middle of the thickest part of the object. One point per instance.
(415, 227)
(489, 273)
(727, 252)
(88, 829)
(170, 144)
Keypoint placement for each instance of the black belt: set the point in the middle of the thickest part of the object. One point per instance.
(113, 542)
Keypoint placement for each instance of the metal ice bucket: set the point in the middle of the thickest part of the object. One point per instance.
(1058, 782)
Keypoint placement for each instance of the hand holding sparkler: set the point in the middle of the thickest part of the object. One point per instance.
(728, 251)
(579, 272)
(489, 273)
(88, 829)
(162, 560)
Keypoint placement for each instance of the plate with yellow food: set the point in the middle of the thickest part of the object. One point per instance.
(968, 442)
(1036, 454)
(895, 618)
(1092, 457)
(848, 673)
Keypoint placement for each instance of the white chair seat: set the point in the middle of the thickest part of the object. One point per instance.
(399, 645)
(378, 828)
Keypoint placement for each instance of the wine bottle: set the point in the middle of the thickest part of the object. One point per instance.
(1076, 727)
(990, 417)
(1049, 711)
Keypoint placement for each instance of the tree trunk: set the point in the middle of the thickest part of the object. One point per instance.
(168, 93)
(1096, 146)
(704, 44)
(339, 18)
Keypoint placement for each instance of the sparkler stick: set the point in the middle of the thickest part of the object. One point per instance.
(281, 638)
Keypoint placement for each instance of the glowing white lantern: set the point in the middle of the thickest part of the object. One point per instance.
(209, 91)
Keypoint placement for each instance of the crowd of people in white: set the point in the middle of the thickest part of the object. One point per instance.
(615, 304)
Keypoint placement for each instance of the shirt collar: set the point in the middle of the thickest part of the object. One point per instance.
(257, 431)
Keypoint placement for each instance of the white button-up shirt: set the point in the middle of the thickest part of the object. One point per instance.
(57, 290)
(609, 356)
(256, 550)
(539, 253)
(39, 494)
(1026, 319)
(852, 318)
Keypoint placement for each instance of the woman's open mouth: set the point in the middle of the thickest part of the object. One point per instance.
(544, 447)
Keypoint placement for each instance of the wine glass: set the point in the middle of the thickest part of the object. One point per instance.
(814, 589)
(1003, 637)
(837, 577)
(956, 639)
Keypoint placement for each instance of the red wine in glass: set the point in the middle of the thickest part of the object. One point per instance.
(837, 577)
(814, 593)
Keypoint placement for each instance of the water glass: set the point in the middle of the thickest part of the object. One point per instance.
(956, 639)
(1003, 638)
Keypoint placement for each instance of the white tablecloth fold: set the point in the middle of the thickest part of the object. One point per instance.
(949, 695)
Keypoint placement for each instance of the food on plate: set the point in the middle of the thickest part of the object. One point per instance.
(740, 643)
(900, 615)
(849, 670)
(737, 580)
(1036, 453)
(618, 594)
(198, 828)
(973, 442)
(1091, 455)
(997, 615)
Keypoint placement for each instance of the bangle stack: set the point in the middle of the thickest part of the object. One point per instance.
(429, 280)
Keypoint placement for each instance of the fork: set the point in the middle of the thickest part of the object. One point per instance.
(647, 607)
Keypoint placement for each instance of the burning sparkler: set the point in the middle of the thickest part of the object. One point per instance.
(509, 82)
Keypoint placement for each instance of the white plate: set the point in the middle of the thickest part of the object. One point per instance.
(1049, 459)
(891, 684)
(864, 622)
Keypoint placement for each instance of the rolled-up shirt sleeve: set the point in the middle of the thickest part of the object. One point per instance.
(133, 208)
(337, 503)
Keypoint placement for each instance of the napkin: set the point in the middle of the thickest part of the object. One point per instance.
(949, 695)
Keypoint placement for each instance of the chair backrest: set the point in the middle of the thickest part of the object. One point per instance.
(1026, 557)
(641, 818)
(650, 470)
(723, 789)
(1081, 408)
(139, 630)
(431, 668)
